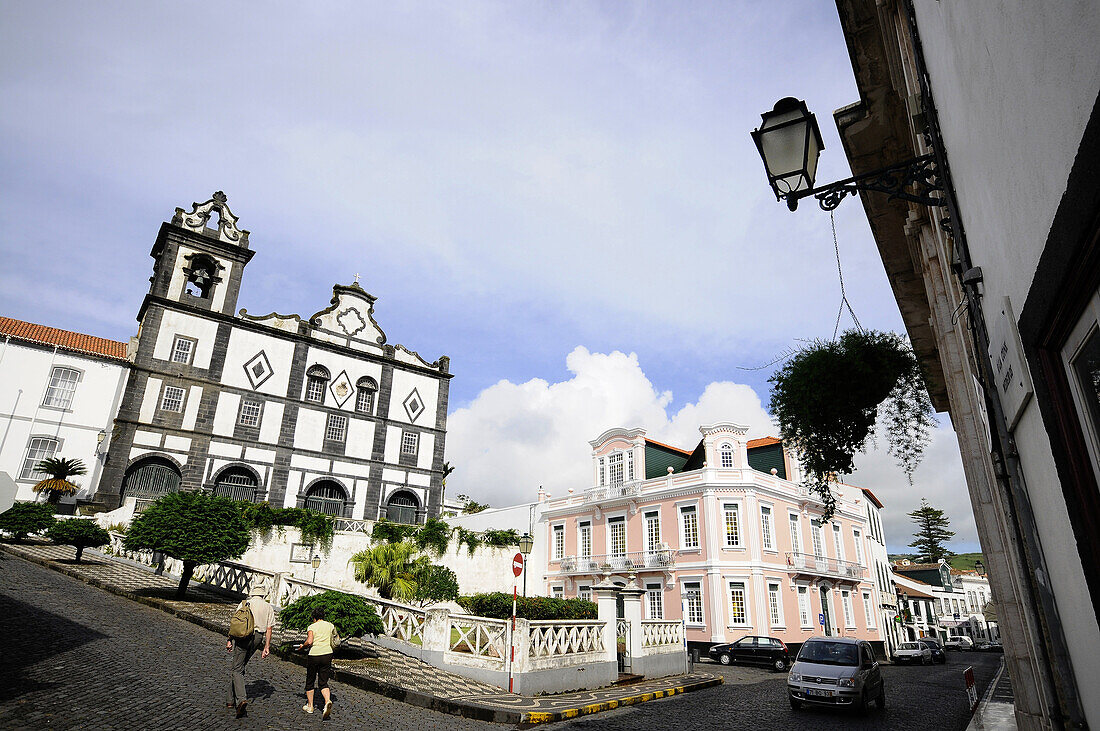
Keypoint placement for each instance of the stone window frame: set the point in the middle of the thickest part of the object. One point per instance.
(52, 388)
(242, 411)
(193, 345)
(164, 399)
(26, 472)
(366, 387)
(317, 380)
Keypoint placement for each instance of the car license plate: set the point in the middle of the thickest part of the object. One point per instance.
(823, 693)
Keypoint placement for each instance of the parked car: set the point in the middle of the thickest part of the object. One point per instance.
(913, 652)
(960, 642)
(938, 653)
(836, 671)
(989, 647)
(753, 650)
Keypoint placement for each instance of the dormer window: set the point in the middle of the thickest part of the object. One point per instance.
(317, 378)
(725, 455)
(620, 468)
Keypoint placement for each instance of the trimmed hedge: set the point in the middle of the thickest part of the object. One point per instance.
(498, 605)
(353, 615)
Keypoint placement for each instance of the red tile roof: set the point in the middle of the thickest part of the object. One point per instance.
(871, 496)
(763, 442)
(66, 339)
(668, 446)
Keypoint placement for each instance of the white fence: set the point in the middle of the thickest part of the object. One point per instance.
(553, 638)
(661, 633)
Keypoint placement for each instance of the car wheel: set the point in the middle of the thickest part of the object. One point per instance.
(725, 658)
(923, 660)
(796, 705)
(780, 665)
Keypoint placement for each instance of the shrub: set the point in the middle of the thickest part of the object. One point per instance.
(434, 534)
(468, 538)
(23, 519)
(498, 605)
(80, 533)
(435, 584)
(193, 527)
(315, 527)
(353, 615)
(118, 528)
(389, 532)
(501, 538)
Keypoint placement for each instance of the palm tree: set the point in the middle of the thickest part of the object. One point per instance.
(59, 469)
(389, 567)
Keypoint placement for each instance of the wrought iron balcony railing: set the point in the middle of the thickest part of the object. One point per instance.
(824, 566)
(660, 559)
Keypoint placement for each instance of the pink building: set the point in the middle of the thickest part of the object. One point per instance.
(721, 536)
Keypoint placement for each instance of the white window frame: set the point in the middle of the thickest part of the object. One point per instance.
(682, 512)
(630, 465)
(584, 591)
(846, 606)
(691, 603)
(165, 400)
(869, 610)
(35, 454)
(188, 352)
(767, 527)
(557, 543)
(816, 538)
(601, 468)
(557, 591)
(734, 510)
(362, 394)
(775, 603)
(616, 464)
(838, 541)
(794, 523)
(315, 389)
(857, 539)
(805, 608)
(731, 584)
(584, 539)
(250, 412)
(410, 442)
(336, 428)
(61, 387)
(652, 518)
(725, 455)
(655, 600)
(613, 520)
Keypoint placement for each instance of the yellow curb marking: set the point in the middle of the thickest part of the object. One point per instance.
(544, 717)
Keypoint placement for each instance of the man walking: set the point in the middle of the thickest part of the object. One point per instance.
(263, 617)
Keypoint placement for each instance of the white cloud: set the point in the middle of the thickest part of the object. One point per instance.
(514, 437)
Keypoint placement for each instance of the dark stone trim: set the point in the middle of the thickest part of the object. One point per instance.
(244, 431)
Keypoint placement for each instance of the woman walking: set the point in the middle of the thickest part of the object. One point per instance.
(319, 662)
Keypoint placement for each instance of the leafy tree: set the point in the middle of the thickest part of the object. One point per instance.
(435, 584)
(353, 615)
(57, 484)
(23, 519)
(472, 506)
(931, 532)
(192, 527)
(79, 532)
(391, 568)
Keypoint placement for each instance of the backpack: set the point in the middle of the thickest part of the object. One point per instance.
(335, 640)
(242, 623)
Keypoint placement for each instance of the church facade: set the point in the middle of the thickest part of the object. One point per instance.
(319, 412)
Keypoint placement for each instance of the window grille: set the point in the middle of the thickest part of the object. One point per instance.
(689, 527)
(409, 441)
(796, 537)
(326, 497)
(172, 399)
(766, 527)
(737, 603)
(149, 479)
(733, 525)
(62, 387)
(337, 428)
(618, 536)
(38, 449)
(652, 531)
(559, 542)
(774, 612)
(236, 483)
(585, 533)
(250, 413)
(694, 602)
(401, 508)
(181, 350)
(725, 455)
(655, 601)
(804, 606)
(615, 464)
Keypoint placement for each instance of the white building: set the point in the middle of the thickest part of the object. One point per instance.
(59, 391)
(879, 565)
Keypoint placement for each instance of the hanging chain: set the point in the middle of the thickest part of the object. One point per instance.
(843, 296)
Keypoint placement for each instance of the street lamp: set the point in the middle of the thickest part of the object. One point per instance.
(789, 142)
(316, 563)
(979, 567)
(526, 543)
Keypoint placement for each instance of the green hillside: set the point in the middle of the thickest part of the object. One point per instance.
(961, 561)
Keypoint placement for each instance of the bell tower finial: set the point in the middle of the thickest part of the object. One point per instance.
(226, 228)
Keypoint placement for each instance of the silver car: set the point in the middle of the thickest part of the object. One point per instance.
(836, 671)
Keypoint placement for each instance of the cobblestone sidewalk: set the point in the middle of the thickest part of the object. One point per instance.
(379, 670)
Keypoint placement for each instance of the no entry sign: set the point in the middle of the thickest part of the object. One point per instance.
(517, 564)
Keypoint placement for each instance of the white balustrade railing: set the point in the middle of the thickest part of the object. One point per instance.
(479, 636)
(401, 622)
(661, 558)
(661, 633)
(356, 526)
(611, 492)
(825, 566)
(555, 638)
(237, 578)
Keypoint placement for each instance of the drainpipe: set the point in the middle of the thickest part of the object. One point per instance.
(1005, 457)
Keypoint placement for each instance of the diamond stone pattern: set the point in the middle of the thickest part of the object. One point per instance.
(341, 388)
(258, 369)
(414, 405)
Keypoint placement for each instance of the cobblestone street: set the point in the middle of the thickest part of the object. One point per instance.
(78, 657)
(918, 698)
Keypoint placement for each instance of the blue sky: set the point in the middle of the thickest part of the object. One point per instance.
(526, 187)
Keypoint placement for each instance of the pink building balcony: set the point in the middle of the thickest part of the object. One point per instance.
(658, 560)
(612, 492)
(811, 565)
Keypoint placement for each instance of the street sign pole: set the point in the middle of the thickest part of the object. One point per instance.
(517, 569)
(971, 690)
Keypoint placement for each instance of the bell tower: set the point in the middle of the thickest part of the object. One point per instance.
(199, 257)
